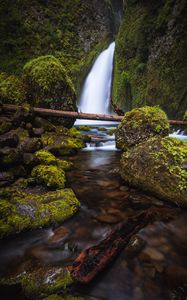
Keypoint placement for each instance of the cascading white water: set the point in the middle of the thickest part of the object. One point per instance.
(95, 96)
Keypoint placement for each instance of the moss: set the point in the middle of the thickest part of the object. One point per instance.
(23, 211)
(83, 128)
(150, 51)
(46, 280)
(185, 116)
(45, 157)
(161, 160)
(49, 175)
(62, 144)
(48, 83)
(12, 90)
(140, 124)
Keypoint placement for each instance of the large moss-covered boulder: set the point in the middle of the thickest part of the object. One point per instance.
(23, 211)
(158, 165)
(12, 89)
(140, 124)
(49, 85)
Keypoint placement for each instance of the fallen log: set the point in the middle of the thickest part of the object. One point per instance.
(77, 115)
(93, 260)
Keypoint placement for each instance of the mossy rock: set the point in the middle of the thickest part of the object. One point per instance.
(140, 124)
(12, 90)
(62, 144)
(49, 175)
(49, 85)
(158, 166)
(22, 211)
(45, 281)
(47, 158)
(5, 125)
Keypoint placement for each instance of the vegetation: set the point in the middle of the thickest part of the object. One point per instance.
(150, 51)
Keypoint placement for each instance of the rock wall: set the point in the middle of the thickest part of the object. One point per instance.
(150, 56)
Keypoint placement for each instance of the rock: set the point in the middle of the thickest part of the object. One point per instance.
(23, 211)
(9, 139)
(5, 125)
(30, 145)
(49, 175)
(39, 122)
(62, 144)
(135, 246)
(12, 89)
(157, 166)
(46, 78)
(140, 124)
(9, 156)
(37, 132)
(22, 115)
(6, 178)
(59, 234)
(41, 281)
(30, 160)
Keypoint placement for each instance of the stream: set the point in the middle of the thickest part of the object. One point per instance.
(153, 267)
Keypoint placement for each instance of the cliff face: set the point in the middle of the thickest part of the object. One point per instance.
(150, 59)
(73, 31)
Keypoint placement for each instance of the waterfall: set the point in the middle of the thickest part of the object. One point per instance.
(96, 92)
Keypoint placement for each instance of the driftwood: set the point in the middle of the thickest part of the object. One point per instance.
(93, 260)
(77, 115)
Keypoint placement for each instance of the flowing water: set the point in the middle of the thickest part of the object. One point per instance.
(154, 269)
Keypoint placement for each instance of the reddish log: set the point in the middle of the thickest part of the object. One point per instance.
(92, 260)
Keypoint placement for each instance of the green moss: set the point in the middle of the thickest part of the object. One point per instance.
(185, 116)
(149, 68)
(48, 83)
(49, 175)
(140, 124)
(22, 211)
(83, 128)
(12, 90)
(45, 280)
(161, 160)
(62, 143)
(45, 157)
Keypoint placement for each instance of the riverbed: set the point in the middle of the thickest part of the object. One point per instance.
(153, 267)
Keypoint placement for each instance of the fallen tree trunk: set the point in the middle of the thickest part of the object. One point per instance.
(93, 260)
(77, 115)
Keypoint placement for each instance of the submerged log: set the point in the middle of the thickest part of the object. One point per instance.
(77, 115)
(93, 260)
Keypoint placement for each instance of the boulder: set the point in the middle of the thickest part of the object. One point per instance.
(23, 211)
(158, 165)
(49, 85)
(140, 124)
(9, 156)
(30, 145)
(9, 139)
